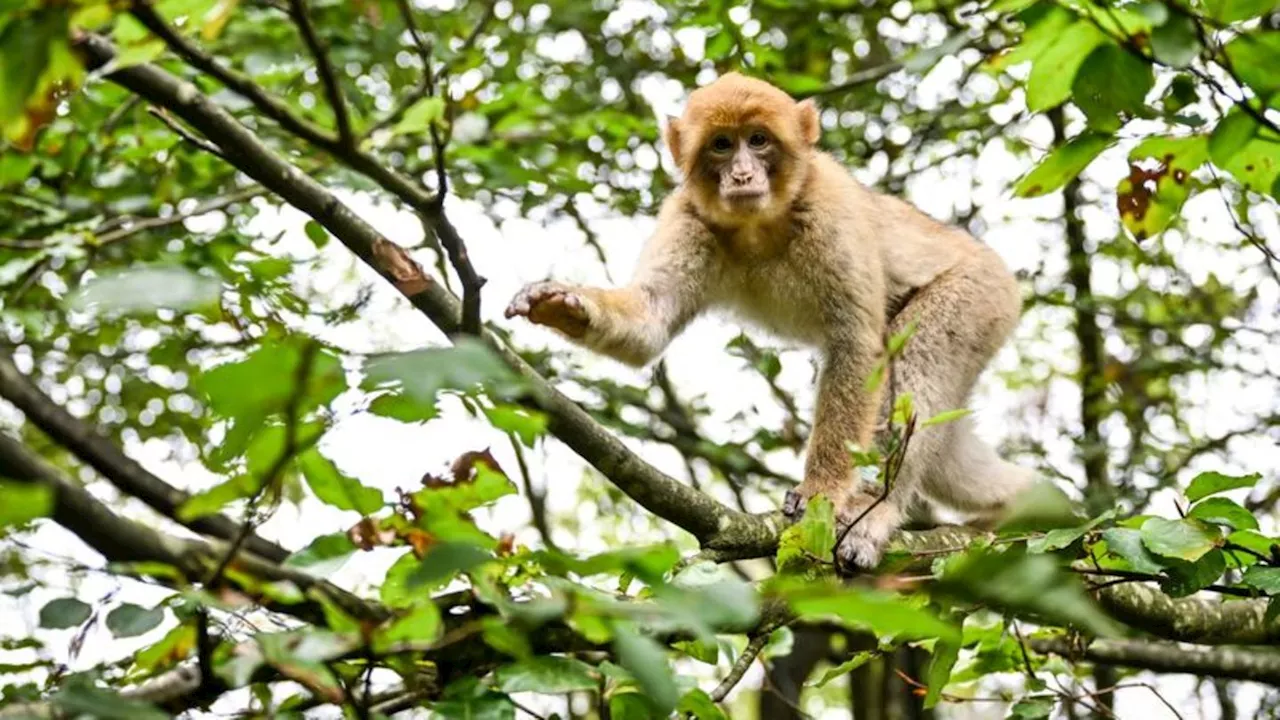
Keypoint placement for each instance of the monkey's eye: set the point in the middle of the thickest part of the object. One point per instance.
(758, 140)
(721, 144)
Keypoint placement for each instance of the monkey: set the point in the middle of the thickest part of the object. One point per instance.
(774, 230)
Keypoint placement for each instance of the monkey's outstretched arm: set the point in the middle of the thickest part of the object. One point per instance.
(633, 323)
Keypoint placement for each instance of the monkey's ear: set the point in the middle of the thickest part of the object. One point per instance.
(672, 136)
(810, 124)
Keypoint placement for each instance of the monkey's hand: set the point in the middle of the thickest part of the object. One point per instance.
(554, 305)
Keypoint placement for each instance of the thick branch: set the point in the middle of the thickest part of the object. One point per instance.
(1207, 621)
(122, 471)
(711, 522)
(126, 541)
(1223, 662)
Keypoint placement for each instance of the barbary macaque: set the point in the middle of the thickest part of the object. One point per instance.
(775, 230)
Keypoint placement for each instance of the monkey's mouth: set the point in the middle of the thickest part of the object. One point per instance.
(745, 195)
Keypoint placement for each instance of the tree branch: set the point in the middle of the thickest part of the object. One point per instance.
(1223, 662)
(1207, 621)
(122, 471)
(298, 10)
(399, 185)
(713, 523)
(126, 541)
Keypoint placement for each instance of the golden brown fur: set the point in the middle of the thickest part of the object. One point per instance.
(768, 227)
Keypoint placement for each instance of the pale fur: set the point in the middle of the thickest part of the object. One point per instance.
(830, 272)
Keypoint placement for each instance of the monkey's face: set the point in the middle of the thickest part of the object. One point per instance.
(740, 163)
(744, 147)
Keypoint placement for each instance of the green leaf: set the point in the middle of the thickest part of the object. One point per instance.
(444, 560)
(1187, 578)
(1253, 57)
(698, 704)
(528, 425)
(1033, 708)
(1042, 506)
(145, 290)
(1263, 578)
(710, 595)
(1181, 539)
(217, 497)
(335, 488)
(24, 502)
(1112, 86)
(881, 613)
(1045, 24)
(266, 382)
(702, 651)
(64, 613)
(502, 636)
(324, 556)
(1176, 43)
(1054, 71)
(1126, 543)
(129, 620)
(853, 663)
(1229, 11)
(1212, 483)
(646, 660)
(946, 416)
(33, 61)
(809, 541)
(421, 624)
(1231, 136)
(1255, 541)
(1256, 166)
(1159, 182)
(1062, 165)
(169, 650)
(421, 374)
(79, 697)
(551, 675)
(1024, 583)
(945, 654)
(316, 233)
(419, 117)
(1062, 537)
(473, 702)
(1221, 511)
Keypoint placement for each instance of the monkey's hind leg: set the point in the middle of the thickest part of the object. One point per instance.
(963, 316)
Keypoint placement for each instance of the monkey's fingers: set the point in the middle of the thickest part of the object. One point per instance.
(530, 296)
(793, 504)
(564, 311)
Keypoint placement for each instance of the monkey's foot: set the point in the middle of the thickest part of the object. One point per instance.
(863, 527)
(860, 552)
(552, 304)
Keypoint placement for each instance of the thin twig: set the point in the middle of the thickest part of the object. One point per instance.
(472, 282)
(219, 203)
(740, 667)
(301, 380)
(184, 133)
(298, 10)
